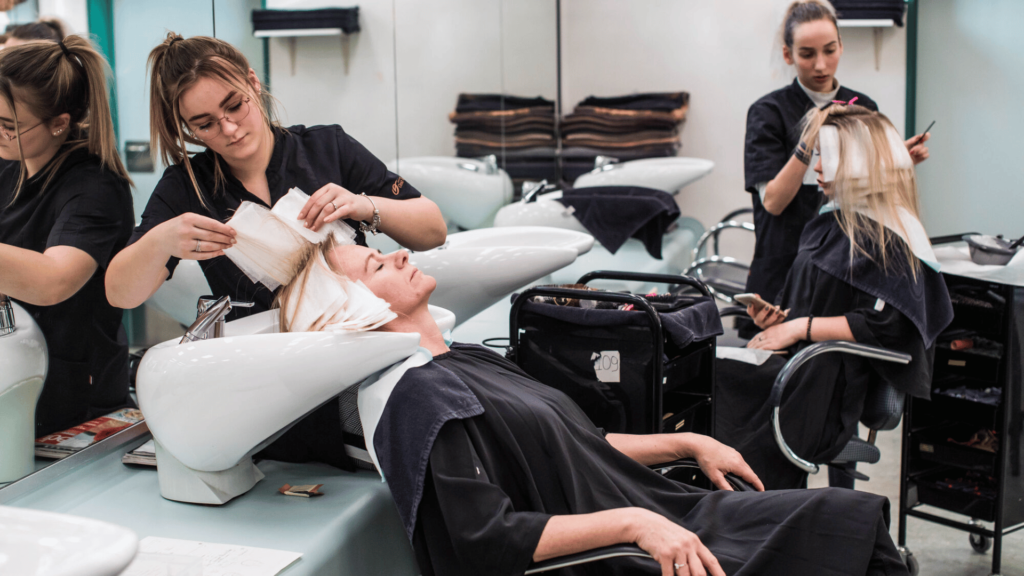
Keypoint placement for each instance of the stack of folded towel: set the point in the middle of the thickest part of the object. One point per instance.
(624, 127)
(870, 10)
(519, 131)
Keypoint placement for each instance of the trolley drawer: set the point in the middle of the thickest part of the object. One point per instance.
(937, 445)
(949, 489)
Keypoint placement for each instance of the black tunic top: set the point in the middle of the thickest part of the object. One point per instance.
(824, 400)
(773, 131)
(85, 207)
(306, 158)
(493, 480)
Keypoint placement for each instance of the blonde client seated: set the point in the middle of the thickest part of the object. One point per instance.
(491, 470)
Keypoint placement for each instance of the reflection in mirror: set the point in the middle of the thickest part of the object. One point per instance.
(123, 31)
(476, 102)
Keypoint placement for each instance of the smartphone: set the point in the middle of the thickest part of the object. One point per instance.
(751, 300)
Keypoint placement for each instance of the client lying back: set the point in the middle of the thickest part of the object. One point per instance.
(491, 469)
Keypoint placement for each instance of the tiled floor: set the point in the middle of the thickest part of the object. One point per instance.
(940, 551)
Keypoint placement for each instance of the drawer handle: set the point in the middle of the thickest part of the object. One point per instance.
(960, 363)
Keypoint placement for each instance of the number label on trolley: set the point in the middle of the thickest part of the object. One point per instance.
(606, 365)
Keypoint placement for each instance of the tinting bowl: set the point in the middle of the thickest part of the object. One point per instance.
(990, 250)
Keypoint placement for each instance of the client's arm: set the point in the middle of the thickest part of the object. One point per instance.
(715, 459)
(788, 333)
(669, 543)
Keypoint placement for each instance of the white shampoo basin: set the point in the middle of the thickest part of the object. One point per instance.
(23, 365)
(213, 403)
(477, 268)
(468, 191)
(177, 297)
(668, 174)
(36, 543)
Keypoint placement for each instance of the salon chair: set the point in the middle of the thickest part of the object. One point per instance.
(686, 471)
(883, 406)
(724, 276)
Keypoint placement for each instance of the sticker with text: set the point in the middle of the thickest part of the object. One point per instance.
(606, 365)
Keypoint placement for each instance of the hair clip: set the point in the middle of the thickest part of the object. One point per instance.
(850, 103)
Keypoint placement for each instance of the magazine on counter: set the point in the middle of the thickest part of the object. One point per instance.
(66, 443)
(144, 455)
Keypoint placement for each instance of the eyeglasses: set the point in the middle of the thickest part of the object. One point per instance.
(11, 136)
(234, 113)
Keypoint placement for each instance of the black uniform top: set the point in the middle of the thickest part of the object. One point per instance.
(493, 480)
(85, 207)
(304, 158)
(773, 131)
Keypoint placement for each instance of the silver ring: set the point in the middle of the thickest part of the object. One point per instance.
(678, 566)
(335, 206)
(198, 242)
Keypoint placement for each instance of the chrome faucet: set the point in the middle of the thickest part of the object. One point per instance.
(533, 189)
(7, 323)
(210, 321)
(604, 163)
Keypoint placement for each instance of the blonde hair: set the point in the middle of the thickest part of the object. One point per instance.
(295, 289)
(889, 186)
(176, 65)
(801, 12)
(50, 83)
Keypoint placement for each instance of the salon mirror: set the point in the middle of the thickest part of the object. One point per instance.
(125, 31)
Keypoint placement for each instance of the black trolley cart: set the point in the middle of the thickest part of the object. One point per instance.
(642, 371)
(976, 393)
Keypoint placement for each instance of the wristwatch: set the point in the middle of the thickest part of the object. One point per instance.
(374, 223)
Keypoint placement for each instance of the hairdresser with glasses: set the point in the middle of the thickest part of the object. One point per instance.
(204, 93)
(778, 169)
(65, 210)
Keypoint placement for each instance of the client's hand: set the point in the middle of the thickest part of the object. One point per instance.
(333, 202)
(672, 545)
(779, 337)
(717, 460)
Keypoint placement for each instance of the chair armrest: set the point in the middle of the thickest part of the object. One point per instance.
(798, 360)
(618, 550)
(738, 484)
(603, 553)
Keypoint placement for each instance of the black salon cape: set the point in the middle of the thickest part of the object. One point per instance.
(85, 207)
(773, 131)
(481, 496)
(824, 400)
(304, 158)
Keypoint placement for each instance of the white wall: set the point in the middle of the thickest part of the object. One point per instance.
(969, 81)
(720, 52)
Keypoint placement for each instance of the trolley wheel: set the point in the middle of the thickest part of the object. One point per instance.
(980, 543)
(908, 558)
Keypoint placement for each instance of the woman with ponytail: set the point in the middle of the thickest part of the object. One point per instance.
(204, 94)
(778, 171)
(65, 210)
(864, 272)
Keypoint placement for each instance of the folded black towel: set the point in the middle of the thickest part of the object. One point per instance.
(613, 214)
(490, 102)
(664, 101)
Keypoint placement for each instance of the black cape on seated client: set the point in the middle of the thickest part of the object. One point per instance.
(824, 400)
(479, 456)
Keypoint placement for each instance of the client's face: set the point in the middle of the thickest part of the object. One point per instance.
(826, 187)
(390, 276)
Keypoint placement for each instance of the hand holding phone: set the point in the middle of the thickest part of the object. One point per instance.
(763, 313)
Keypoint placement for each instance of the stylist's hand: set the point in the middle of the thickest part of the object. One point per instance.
(194, 237)
(918, 151)
(332, 202)
(670, 544)
(780, 336)
(717, 460)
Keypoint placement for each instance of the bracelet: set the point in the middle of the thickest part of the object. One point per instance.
(374, 223)
(809, 320)
(803, 153)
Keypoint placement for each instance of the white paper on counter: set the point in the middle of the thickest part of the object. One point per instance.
(217, 559)
(748, 355)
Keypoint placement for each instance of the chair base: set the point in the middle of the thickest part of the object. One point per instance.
(183, 484)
